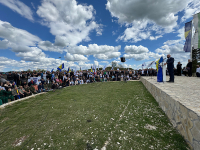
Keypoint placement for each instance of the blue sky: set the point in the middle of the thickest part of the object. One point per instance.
(35, 33)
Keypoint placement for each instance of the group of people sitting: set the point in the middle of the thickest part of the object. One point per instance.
(16, 85)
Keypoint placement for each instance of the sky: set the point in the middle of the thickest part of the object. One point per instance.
(43, 34)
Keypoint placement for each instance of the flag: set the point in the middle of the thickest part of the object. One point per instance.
(17, 91)
(143, 65)
(160, 60)
(157, 63)
(61, 67)
(68, 69)
(159, 70)
(160, 74)
(91, 69)
(196, 37)
(52, 70)
(80, 68)
(188, 36)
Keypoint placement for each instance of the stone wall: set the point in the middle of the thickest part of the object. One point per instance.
(183, 119)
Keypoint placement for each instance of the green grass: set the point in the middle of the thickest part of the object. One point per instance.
(118, 112)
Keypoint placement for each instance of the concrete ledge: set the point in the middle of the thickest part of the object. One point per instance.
(180, 104)
(21, 99)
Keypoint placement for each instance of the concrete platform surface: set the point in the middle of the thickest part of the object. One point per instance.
(185, 90)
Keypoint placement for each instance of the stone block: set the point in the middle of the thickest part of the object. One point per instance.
(189, 135)
(166, 105)
(169, 114)
(184, 122)
(193, 115)
(197, 124)
(189, 123)
(182, 131)
(195, 133)
(177, 105)
(184, 111)
(196, 145)
(177, 117)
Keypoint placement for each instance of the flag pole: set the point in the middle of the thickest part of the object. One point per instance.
(191, 43)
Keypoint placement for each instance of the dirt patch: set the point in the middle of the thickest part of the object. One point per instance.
(19, 141)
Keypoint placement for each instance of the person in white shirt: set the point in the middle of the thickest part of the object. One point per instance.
(198, 71)
(142, 72)
(64, 77)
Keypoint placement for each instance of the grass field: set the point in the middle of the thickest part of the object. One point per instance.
(111, 116)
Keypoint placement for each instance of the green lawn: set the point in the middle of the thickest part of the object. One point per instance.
(113, 115)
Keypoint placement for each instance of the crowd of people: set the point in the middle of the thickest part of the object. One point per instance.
(16, 85)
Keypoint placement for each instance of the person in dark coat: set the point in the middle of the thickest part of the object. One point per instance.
(170, 67)
(189, 68)
(179, 68)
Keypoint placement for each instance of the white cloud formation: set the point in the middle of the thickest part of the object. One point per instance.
(48, 46)
(17, 36)
(75, 57)
(93, 49)
(104, 62)
(4, 44)
(162, 12)
(192, 8)
(149, 19)
(19, 7)
(70, 22)
(143, 56)
(133, 49)
(108, 55)
(48, 63)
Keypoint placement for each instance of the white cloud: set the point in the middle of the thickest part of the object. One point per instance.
(93, 49)
(192, 8)
(35, 55)
(162, 12)
(142, 30)
(143, 56)
(3, 44)
(75, 57)
(104, 62)
(149, 19)
(19, 7)
(133, 49)
(70, 22)
(108, 55)
(17, 36)
(48, 46)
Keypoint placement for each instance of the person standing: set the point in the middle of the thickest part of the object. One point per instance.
(198, 71)
(189, 68)
(179, 68)
(170, 67)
